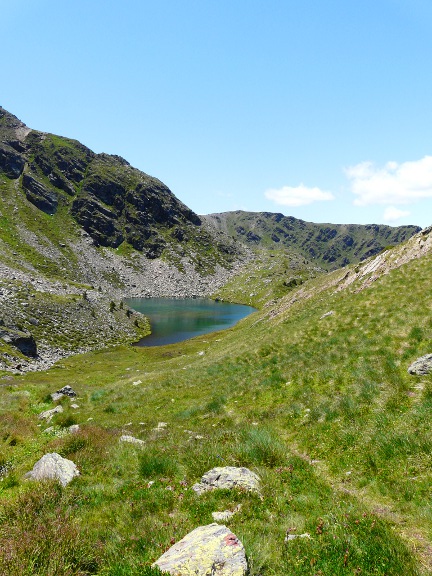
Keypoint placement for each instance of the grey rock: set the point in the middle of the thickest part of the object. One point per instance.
(228, 477)
(47, 415)
(225, 515)
(421, 366)
(39, 195)
(52, 466)
(131, 440)
(65, 391)
(290, 537)
(74, 429)
(11, 162)
(212, 550)
(327, 314)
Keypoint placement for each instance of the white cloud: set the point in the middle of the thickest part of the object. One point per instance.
(393, 183)
(297, 196)
(391, 214)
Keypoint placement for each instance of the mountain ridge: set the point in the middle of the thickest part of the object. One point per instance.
(330, 245)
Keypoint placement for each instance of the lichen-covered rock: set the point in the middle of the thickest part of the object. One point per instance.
(421, 366)
(228, 477)
(52, 466)
(48, 414)
(207, 550)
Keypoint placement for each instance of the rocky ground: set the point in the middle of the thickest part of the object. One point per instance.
(64, 317)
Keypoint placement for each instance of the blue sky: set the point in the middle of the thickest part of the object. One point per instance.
(316, 109)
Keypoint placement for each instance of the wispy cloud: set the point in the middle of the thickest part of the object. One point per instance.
(392, 183)
(391, 214)
(297, 196)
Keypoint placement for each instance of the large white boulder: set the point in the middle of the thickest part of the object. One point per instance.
(52, 466)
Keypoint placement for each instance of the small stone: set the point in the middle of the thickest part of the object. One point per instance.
(227, 477)
(225, 515)
(74, 429)
(211, 549)
(54, 467)
(48, 414)
(160, 426)
(131, 440)
(290, 537)
(421, 366)
(327, 314)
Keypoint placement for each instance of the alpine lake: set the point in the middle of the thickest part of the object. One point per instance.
(176, 319)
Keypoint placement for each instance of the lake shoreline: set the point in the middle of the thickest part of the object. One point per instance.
(174, 320)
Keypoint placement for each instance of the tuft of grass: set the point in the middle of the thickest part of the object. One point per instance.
(261, 447)
(153, 463)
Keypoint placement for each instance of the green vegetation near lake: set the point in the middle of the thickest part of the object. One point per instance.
(320, 405)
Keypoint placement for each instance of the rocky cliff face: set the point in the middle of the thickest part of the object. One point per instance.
(112, 201)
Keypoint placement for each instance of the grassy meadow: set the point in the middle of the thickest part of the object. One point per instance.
(320, 407)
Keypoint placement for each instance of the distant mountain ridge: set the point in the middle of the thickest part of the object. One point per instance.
(329, 245)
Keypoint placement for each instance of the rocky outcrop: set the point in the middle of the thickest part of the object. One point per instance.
(11, 162)
(228, 477)
(22, 340)
(39, 195)
(212, 550)
(65, 391)
(54, 467)
(98, 221)
(421, 366)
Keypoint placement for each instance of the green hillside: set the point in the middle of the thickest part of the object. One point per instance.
(330, 246)
(311, 392)
(80, 231)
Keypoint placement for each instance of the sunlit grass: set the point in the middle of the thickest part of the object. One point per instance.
(322, 409)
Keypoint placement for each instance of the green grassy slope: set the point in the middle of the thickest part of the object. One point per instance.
(320, 406)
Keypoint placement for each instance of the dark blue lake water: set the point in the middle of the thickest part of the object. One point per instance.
(173, 320)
